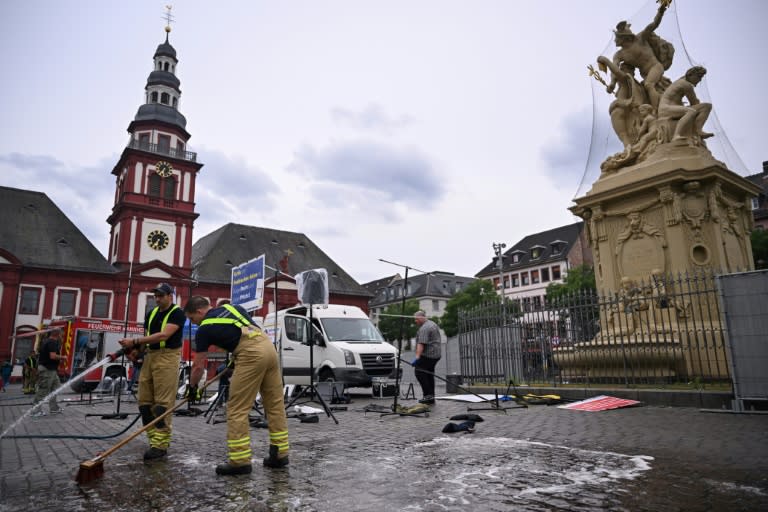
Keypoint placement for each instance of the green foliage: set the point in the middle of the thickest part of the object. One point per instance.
(478, 292)
(578, 279)
(390, 325)
(760, 248)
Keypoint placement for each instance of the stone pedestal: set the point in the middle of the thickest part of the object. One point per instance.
(681, 213)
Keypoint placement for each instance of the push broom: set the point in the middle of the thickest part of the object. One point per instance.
(94, 468)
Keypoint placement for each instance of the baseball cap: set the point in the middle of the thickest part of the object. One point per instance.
(163, 288)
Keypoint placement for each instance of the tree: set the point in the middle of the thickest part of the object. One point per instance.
(575, 299)
(390, 325)
(480, 291)
(760, 248)
(578, 279)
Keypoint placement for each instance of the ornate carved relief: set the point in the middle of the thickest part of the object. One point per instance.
(640, 247)
(694, 207)
(673, 214)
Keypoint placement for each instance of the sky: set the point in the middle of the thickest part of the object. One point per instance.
(418, 132)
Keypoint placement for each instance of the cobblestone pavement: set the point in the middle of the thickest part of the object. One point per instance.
(535, 458)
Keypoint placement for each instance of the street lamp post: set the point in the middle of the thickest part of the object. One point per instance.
(498, 248)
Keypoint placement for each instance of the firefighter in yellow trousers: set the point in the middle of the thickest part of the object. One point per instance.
(256, 370)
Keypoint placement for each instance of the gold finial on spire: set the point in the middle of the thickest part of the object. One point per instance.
(168, 18)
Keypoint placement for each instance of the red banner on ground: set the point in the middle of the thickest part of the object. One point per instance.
(600, 403)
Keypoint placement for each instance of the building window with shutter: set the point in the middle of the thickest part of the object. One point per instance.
(65, 305)
(100, 307)
(155, 184)
(30, 301)
(169, 188)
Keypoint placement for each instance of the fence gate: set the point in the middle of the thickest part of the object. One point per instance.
(744, 307)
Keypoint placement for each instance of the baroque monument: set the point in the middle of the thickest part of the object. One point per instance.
(663, 205)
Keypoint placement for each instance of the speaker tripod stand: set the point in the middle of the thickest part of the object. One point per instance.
(310, 392)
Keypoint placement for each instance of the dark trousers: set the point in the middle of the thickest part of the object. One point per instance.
(426, 380)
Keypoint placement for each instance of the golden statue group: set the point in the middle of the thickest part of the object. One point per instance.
(652, 112)
(663, 207)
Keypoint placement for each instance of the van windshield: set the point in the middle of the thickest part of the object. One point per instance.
(354, 330)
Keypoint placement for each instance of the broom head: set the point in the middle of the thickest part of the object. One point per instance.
(90, 470)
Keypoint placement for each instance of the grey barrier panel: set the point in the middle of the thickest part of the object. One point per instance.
(744, 308)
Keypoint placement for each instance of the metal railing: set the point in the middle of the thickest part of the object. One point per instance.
(162, 149)
(665, 330)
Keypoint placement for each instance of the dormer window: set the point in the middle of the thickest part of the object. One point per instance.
(516, 257)
(536, 253)
(557, 246)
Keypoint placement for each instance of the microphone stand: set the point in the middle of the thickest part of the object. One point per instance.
(117, 415)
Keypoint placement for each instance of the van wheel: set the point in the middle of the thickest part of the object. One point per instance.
(326, 375)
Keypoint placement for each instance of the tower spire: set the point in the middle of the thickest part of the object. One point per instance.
(168, 20)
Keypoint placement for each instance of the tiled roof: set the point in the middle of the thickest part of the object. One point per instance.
(232, 244)
(372, 286)
(565, 235)
(435, 284)
(39, 234)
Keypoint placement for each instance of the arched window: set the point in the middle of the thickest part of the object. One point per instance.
(154, 96)
(159, 66)
(169, 188)
(175, 102)
(165, 67)
(154, 185)
(164, 98)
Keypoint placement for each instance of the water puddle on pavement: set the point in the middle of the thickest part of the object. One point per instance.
(464, 472)
(499, 473)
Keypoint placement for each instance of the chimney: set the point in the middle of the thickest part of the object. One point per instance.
(765, 167)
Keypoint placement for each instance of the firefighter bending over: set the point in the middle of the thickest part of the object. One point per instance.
(256, 369)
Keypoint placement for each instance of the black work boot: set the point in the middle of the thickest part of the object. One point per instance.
(230, 469)
(155, 453)
(429, 400)
(273, 461)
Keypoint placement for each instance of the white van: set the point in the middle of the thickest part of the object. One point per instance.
(347, 347)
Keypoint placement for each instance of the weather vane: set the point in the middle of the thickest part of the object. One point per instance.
(168, 18)
(596, 74)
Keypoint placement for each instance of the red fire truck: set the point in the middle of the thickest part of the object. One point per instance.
(86, 341)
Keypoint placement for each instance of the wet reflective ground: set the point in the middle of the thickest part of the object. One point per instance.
(540, 458)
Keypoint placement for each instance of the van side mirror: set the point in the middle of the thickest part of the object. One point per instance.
(317, 338)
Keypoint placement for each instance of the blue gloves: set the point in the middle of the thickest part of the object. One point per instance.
(415, 360)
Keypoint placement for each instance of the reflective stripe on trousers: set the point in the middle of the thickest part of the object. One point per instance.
(256, 370)
(157, 388)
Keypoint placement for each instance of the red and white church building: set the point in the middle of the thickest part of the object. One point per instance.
(49, 269)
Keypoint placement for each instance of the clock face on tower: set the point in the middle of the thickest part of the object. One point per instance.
(157, 240)
(163, 168)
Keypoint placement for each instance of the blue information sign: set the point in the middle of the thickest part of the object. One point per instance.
(248, 284)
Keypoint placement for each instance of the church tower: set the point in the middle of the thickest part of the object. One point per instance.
(154, 210)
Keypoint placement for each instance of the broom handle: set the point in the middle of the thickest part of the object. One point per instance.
(152, 423)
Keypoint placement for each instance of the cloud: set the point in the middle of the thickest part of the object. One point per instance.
(228, 189)
(79, 191)
(565, 156)
(35, 163)
(398, 175)
(372, 118)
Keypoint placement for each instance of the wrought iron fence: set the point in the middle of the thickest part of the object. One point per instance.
(664, 330)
